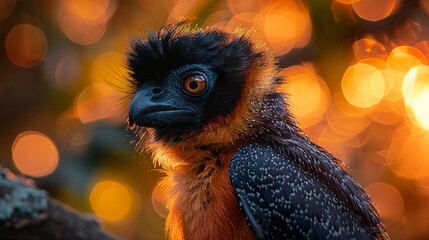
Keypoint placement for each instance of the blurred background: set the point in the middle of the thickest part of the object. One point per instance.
(358, 81)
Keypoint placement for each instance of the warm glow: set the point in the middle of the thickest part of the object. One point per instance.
(343, 13)
(386, 114)
(34, 154)
(246, 20)
(184, 8)
(85, 22)
(415, 89)
(345, 119)
(71, 130)
(374, 10)
(423, 47)
(308, 95)
(420, 107)
(80, 31)
(388, 74)
(109, 67)
(415, 82)
(347, 1)
(6, 8)
(367, 47)
(363, 85)
(355, 77)
(422, 180)
(408, 152)
(97, 102)
(239, 6)
(407, 55)
(67, 71)
(219, 19)
(26, 45)
(90, 10)
(399, 62)
(159, 202)
(112, 201)
(284, 25)
(101, 100)
(388, 201)
(424, 4)
(333, 142)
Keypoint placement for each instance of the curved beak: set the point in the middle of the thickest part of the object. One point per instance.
(149, 109)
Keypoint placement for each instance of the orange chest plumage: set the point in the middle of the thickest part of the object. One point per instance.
(202, 203)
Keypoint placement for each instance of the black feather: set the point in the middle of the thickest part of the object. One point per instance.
(228, 55)
(287, 201)
(303, 190)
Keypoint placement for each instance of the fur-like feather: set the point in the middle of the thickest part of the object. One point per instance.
(247, 110)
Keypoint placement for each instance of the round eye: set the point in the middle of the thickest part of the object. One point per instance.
(195, 84)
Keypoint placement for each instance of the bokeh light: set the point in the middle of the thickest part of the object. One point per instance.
(345, 119)
(357, 81)
(405, 57)
(343, 13)
(367, 47)
(388, 201)
(423, 47)
(415, 83)
(422, 180)
(97, 102)
(363, 85)
(6, 8)
(248, 20)
(237, 6)
(90, 10)
(74, 133)
(219, 19)
(408, 152)
(26, 45)
(374, 10)
(67, 71)
(284, 25)
(420, 107)
(109, 68)
(111, 200)
(85, 22)
(34, 154)
(347, 1)
(308, 94)
(158, 201)
(424, 4)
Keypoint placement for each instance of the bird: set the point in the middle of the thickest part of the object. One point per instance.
(208, 104)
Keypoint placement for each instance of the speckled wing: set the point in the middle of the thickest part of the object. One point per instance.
(281, 200)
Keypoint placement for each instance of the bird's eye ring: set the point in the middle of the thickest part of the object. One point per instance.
(195, 84)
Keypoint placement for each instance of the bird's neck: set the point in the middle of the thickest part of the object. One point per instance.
(201, 199)
(268, 120)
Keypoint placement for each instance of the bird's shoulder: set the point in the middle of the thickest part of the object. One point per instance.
(255, 159)
(281, 198)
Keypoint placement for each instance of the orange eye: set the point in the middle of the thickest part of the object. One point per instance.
(195, 84)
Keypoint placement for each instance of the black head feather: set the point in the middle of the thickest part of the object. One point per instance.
(230, 56)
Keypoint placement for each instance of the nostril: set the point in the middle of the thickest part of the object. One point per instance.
(156, 90)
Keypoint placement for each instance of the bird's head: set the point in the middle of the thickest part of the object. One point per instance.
(189, 81)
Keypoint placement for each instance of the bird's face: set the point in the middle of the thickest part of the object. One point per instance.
(183, 78)
(179, 100)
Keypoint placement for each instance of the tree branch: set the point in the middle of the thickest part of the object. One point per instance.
(28, 213)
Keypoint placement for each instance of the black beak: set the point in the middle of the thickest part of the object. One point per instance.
(157, 109)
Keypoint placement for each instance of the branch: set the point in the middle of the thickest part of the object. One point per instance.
(28, 213)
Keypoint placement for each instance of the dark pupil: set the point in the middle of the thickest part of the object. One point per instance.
(193, 85)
